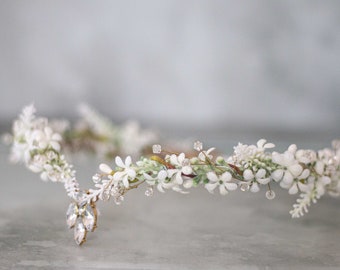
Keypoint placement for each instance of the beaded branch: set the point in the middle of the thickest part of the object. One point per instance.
(38, 144)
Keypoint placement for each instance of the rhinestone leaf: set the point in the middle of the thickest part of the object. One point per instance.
(79, 232)
(71, 215)
(89, 218)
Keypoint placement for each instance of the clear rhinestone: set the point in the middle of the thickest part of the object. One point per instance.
(114, 191)
(149, 192)
(156, 149)
(119, 200)
(82, 208)
(105, 196)
(71, 215)
(270, 194)
(244, 187)
(198, 146)
(79, 232)
(96, 178)
(89, 218)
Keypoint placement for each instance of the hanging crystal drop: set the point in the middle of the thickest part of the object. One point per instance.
(270, 194)
(149, 192)
(198, 146)
(89, 218)
(118, 200)
(156, 149)
(79, 232)
(71, 215)
(81, 209)
(96, 178)
(244, 187)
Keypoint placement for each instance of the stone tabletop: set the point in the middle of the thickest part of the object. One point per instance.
(165, 231)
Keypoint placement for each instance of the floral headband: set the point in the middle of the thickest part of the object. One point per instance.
(38, 144)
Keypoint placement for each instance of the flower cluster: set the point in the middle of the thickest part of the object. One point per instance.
(96, 133)
(306, 172)
(35, 142)
(38, 146)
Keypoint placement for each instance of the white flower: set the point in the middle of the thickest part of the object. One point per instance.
(244, 153)
(305, 156)
(43, 138)
(182, 168)
(292, 174)
(206, 154)
(127, 174)
(259, 177)
(160, 180)
(223, 181)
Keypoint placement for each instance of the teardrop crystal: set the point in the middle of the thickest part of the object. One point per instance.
(79, 232)
(71, 215)
(89, 218)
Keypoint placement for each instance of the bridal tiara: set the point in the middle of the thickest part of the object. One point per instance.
(39, 144)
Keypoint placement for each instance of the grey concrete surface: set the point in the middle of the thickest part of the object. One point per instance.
(166, 231)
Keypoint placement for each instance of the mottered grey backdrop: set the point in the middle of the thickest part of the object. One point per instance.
(223, 65)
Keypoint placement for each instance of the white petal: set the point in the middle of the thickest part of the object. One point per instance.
(173, 160)
(325, 180)
(260, 143)
(148, 177)
(304, 174)
(118, 176)
(179, 179)
(295, 169)
(319, 167)
(248, 175)
(181, 158)
(160, 188)
(126, 181)
(162, 175)
(56, 137)
(55, 145)
(254, 187)
(212, 176)
(188, 183)
(210, 187)
(119, 162)
(187, 170)
(269, 145)
(261, 173)
(131, 173)
(263, 181)
(288, 178)
(230, 186)
(303, 187)
(277, 175)
(128, 161)
(105, 168)
(292, 148)
(226, 177)
(223, 190)
(285, 185)
(293, 189)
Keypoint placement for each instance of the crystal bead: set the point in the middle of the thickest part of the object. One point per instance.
(71, 215)
(96, 178)
(79, 232)
(89, 218)
(149, 192)
(270, 194)
(114, 191)
(119, 200)
(244, 187)
(156, 149)
(198, 146)
(105, 196)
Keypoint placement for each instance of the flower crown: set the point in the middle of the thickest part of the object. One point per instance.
(38, 143)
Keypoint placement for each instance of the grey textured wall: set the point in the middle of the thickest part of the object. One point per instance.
(192, 63)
